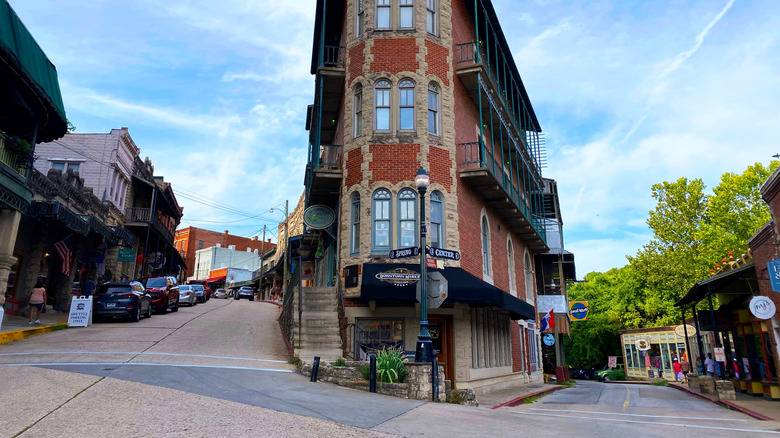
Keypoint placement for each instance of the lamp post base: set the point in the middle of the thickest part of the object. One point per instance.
(424, 352)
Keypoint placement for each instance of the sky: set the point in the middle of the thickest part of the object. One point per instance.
(628, 94)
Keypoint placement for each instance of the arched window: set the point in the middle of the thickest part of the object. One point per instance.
(354, 231)
(529, 279)
(437, 220)
(383, 14)
(380, 217)
(407, 218)
(382, 106)
(406, 106)
(432, 17)
(358, 122)
(510, 256)
(433, 109)
(360, 17)
(406, 14)
(485, 247)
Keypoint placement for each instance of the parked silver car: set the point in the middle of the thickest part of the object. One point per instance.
(245, 292)
(220, 293)
(201, 291)
(187, 295)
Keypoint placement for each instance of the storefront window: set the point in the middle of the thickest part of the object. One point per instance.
(372, 335)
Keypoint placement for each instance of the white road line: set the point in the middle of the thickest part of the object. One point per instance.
(639, 415)
(142, 352)
(614, 420)
(63, 364)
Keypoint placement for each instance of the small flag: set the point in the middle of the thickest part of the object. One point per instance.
(63, 249)
(548, 321)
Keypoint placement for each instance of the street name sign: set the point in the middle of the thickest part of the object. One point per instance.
(443, 253)
(401, 253)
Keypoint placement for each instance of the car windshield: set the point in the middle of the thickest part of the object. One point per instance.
(196, 287)
(114, 289)
(156, 282)
(183, 287)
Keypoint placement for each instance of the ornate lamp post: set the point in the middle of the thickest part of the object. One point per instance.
(424, 351)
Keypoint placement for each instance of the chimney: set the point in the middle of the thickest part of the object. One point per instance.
(254, 238)
(269, 240)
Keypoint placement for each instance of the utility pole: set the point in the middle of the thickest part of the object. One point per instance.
(286, 250)
(262, 274)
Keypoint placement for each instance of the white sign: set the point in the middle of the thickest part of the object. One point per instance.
(556, 302)
(720, 354)
(436, 288)
(80, 312)
(762, 307)
(643, 344)
(680, 330)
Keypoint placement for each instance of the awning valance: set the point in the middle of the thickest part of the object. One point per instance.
(215, 279)
(462, 288)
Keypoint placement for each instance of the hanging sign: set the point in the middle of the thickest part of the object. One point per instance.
(762, 307)
(680, 330)
(773, 267)
(399, 276)
(80, 312)
(612, 361)
(319, 217)
(720, 354)
(125, 255)
(642, 344)
(548, 339)
(578, 310)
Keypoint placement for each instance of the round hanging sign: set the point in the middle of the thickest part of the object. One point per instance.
(680, 330)
(762, 307)
(549, 339)
(642, 344)
(319, 217)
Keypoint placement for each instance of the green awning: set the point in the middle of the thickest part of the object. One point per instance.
(23, 55)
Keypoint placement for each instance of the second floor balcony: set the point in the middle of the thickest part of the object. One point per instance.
(143, 217)
(324, 173)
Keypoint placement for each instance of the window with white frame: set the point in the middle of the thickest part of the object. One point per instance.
(437, 219)
(510, 255)
(382, 106)
(485, 247)
(358, 122)
(382, 14)
(432, 17)
(406, 105)
(354, 246)
(65, 166)
(433, 109)
(407, 218)
(491, 344)
(405, 14)
(360, 16)
(529, 279)
(380, 217)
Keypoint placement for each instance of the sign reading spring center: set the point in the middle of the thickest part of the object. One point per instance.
(773, 268)
(405, 252)
(80, 312)
(762, 307)
(319, 217)
(578, 310)
(399, 276)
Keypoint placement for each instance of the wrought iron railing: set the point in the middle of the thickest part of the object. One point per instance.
(138, 214)
(467, 53)
(11, 158)
(333, 56)
(329, 157)
(353, 333)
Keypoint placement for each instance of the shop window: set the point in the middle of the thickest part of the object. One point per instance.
(491, 343)
(407, 218)
(374, 334)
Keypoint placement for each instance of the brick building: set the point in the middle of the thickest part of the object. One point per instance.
(191, 239)
(402, 85)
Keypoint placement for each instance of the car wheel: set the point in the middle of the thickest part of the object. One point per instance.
(175, 308)
(149, 311)
(606, 378)
(137, 316)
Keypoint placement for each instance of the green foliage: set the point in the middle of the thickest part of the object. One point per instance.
(663, 382)
(340, 362)
(692, 231)
(70, 128)
(390, 365)
(365, 371)
(295, 360)
(616, 375)
(456, 397)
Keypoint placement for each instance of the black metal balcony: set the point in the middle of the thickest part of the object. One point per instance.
(324, 173)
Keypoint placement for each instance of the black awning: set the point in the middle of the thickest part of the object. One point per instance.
(462, 288)
(738, 281)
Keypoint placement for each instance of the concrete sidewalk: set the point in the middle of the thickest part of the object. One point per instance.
(17, 327)
(756, 407)
(515, 396)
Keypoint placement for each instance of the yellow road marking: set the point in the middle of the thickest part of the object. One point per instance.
(628, 396)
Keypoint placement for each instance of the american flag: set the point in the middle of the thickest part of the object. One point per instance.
(63, 249)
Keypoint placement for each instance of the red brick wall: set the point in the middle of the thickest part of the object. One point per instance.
(191, 235)
(437, 61)
(354, 172)
(440, 167)
(462, 26)
(394, 55)
(394, 162)
(356, 60)
(518, 354)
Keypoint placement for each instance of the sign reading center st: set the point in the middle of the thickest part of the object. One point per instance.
(443, 253)
(404, 252)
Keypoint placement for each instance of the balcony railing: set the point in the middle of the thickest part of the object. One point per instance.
(329, 157)
(138, 214)
(332, 56)
(10, 157)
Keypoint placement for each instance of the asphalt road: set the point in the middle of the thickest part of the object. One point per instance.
(220, 369)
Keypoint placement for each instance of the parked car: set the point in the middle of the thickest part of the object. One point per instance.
(164, 291)
(221, 293)
(201, 291)
(245, 292)
(587, 373)
(205, 287)
(603, 375)
(187, 295)
(122, 299)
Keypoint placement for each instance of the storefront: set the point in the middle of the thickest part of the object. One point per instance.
(650, 352)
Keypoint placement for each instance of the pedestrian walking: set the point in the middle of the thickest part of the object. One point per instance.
(88, 287)
(678, 375)
(36, 301)
(709, 364)
(685, 367)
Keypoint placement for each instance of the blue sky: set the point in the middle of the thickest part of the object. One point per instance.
(629, 93)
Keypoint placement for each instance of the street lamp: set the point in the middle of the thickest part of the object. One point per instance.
(424, 351)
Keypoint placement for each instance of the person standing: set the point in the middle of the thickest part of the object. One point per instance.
(685, 367)
(88, 287)
(709, 364)
(678, 375)
(37, 300)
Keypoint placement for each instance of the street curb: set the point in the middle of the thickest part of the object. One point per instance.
(6, 337)
(725, 403)
(271, 302)
(521, 399)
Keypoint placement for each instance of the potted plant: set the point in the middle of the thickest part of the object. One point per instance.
(19, 145)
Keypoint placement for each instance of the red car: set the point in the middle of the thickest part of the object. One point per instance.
(164, 291)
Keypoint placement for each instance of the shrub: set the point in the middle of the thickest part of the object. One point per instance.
(340, 362)
(295, 360)
(390, 365)
(365, 370)
(456, 397)
(660, 383)
(616, 375)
